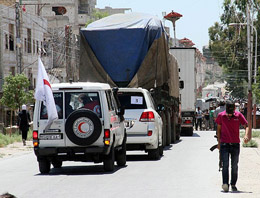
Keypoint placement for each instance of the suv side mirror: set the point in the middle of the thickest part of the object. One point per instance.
(181, 84)
(160, 107)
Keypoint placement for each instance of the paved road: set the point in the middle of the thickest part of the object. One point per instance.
(187, 169)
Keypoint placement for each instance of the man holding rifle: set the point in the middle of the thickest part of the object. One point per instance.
(229, 142)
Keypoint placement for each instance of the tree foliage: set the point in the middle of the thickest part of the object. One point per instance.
(15, 92)
(228, 45)
(96, 15)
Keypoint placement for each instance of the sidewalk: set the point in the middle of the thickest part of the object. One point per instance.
(15, 149)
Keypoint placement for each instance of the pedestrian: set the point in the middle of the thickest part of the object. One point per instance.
(211, 118)
(229, 142)
(206, 116)
(199, 119)
(23, 123)
(219, 109)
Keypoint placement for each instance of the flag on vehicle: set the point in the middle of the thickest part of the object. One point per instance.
(44, 93)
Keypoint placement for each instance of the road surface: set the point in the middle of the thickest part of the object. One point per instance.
(187, 169)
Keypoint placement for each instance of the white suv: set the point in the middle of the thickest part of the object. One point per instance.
(143, 124)
(90, 127)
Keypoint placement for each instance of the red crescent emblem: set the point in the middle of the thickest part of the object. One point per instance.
(46, 82)
(79, 127)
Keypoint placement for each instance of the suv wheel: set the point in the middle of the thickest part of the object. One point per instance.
(44, 166)
(154, 154)
(161, 150)
(109, 160)
(83, 127)
(57, 163)
(121, 155)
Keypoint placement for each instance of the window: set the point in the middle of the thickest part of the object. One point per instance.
(11, 37)
(37, 47)
(33, 46)
(6, 41)
(132, 100)
(30, 77)
(29, 40)
(77, 100)
(109, 101)
(25, 45)
(12, 71)
(58, 98)
(59, 10)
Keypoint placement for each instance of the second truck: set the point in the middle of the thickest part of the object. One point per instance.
(131, 50)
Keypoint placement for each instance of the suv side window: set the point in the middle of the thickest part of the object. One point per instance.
(151, 99)
(58, 98)
(109, 101)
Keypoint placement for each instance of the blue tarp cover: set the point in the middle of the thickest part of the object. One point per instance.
(121, 42)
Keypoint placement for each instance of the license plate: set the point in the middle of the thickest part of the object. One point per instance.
(50, 137)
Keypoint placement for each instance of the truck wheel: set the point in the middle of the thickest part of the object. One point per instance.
(178, 132)
(121, 155)
(164, 130)
(83, 127)
(190, 132)
(173, 124)
(44, 166)
(169, 130)
(109, 160)
(56, 163)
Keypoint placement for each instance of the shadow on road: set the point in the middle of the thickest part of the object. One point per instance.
(237, 192)
(80, 170)
(194, 135)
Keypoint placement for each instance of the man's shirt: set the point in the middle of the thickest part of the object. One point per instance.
(199, 114)
(230, 126)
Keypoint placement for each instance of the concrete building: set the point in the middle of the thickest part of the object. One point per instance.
(32, 30)
(111, 11)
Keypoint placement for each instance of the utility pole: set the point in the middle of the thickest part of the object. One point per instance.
(249, 56)
(68, 53)
(18, 38)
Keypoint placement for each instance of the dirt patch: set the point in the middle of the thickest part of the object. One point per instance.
(15, 149)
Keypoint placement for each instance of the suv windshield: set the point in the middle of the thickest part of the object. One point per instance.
(132, 100)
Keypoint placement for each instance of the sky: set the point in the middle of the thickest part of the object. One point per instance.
(198, 15)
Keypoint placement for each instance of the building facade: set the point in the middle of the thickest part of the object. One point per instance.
(32, 29)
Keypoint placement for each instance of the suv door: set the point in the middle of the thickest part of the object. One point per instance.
(55, 135)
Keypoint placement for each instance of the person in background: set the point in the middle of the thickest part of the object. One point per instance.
(23, 123)
(229, 142)
(211, 118)
(199, 119)
(245, 110)
(206, 116)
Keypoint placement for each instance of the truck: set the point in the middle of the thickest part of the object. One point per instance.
(186, 58)
(131, 50)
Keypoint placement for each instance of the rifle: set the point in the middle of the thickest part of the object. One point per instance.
(220, 164)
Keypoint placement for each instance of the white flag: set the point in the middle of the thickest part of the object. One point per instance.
(44, 93)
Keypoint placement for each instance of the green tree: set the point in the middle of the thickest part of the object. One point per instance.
(229, 45)
(15, 93)
(96, 15)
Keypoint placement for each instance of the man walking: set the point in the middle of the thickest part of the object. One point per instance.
(229, 142)
(198, 119)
